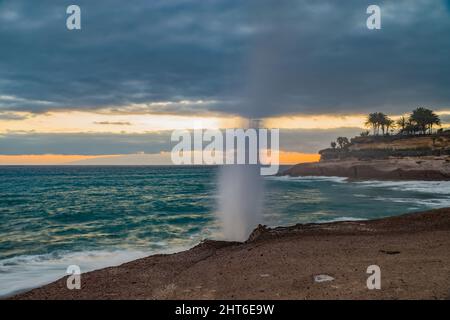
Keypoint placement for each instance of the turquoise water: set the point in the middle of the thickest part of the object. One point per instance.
(94, 217)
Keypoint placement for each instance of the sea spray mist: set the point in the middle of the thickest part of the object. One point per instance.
(240, 200)
(241, 196)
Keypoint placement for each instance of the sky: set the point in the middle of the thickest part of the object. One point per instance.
(117, 88)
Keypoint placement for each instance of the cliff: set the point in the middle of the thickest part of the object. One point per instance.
(398, 157)
(409, 168)
(383, 147)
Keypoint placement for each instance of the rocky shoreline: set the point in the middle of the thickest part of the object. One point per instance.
(406, 168)
(285, 262)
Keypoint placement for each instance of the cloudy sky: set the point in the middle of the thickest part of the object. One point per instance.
(137, 70)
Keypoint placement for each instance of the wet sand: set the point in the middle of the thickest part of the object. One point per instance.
(413, 252)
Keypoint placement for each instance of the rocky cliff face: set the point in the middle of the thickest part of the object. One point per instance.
(434, 142)
(425, 168)
(383, 147)
(384, 158)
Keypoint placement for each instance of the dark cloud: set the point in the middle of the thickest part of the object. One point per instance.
(83, 143)
(255, 58)
(298, 140)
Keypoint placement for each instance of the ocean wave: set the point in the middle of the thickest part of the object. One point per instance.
(434, 187)
(430, 203)
(421, 186)
(308, 178)
(30, 271)
(340, 219)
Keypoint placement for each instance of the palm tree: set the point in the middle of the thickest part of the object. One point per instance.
(372, 121)
(434, 120)
(381, 120)
(419, 118)
(424, 119)
(402, 122)
(389, 123)
(411, 127)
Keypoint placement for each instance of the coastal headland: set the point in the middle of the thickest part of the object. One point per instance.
(398, 157)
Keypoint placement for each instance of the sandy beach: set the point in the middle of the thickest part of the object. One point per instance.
(411, 250)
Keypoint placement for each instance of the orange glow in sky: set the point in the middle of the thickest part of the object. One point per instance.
(55, 159)
(110, 122)
(96, 122)
(78, 121)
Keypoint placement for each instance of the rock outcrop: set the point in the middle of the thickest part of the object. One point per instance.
(424, 168)
(399, 157)
(383, 147)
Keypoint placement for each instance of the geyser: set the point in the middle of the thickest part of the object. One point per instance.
(268, 76)
(241, 197)
(240, 200)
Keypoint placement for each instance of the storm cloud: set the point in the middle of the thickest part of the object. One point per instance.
(296, 140)
(252, 58)
(83, 143)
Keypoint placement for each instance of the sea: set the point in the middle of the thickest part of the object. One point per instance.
(98, 216)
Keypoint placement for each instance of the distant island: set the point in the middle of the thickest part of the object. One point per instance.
(414, 152)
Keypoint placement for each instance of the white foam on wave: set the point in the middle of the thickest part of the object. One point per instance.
(30, 271)
(431, 203)
(423, 186)
(434, 187)
(339, 219)
(308, 178)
